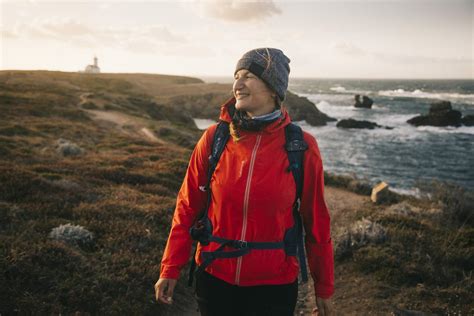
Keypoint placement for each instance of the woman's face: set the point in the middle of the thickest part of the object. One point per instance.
(252, 95)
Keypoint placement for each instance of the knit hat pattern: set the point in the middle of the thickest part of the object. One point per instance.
(269, 64)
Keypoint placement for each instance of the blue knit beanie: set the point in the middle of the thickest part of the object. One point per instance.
(269, 64)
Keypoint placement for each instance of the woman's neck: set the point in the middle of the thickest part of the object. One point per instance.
(260, 112)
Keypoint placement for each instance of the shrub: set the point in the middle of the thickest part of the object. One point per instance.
(457, 202)
(347, 182)
(74, 235)
(67, 148)
(361, 233)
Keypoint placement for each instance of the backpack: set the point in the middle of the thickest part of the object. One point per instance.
(293, 243)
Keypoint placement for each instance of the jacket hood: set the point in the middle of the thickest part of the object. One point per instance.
(229, 106)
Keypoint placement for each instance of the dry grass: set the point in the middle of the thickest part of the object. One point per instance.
(122, 188)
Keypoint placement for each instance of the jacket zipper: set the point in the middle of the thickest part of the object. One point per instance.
(246, 205)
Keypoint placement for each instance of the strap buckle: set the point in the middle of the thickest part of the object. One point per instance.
(240, 244)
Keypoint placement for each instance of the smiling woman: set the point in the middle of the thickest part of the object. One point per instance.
(245, 199)
(252, 95)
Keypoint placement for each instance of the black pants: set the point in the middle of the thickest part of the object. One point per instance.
(216, 297)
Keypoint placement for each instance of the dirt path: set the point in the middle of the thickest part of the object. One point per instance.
(343, 206)
(84, 98)
(127, 124)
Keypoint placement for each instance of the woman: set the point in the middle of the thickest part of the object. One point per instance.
(251, 199)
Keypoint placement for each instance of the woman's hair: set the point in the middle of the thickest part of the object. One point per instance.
(234, 132)
(277, 103)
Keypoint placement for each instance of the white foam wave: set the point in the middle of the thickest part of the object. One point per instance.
(203, 123)
(341, 89)
(392, 119)
(447, 129)
(338, 89)
(418, 93)
(336, 111)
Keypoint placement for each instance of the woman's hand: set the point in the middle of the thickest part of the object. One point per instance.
(324, 307)
(164, 290)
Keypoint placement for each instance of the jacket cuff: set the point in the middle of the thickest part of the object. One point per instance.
(169, 272)
(321, 262)
(323, 291)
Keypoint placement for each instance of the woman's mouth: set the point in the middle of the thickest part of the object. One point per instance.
(240, 96)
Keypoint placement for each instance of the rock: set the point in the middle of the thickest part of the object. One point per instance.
(440, 107)
(300, 108)
(468, 120)
(440, 114)
(366, 102)
(378, 191)
(382, 195)
(351, 123)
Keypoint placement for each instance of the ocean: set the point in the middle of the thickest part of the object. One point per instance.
(405, 157)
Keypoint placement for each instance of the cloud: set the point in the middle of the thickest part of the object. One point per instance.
(351, 50)
(416, 59)
(348, 49)
(145, 38)
(239, 10)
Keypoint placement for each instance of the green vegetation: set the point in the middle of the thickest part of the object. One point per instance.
(122, 189)
(347, 182)
(428, 255)
(121, 186)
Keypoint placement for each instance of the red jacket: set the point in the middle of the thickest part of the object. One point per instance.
(252, 198)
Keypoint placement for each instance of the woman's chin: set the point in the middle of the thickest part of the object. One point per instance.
(239, 106)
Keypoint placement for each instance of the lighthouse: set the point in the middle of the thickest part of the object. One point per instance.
(93, 69)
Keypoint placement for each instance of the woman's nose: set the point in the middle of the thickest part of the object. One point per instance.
(238, 84)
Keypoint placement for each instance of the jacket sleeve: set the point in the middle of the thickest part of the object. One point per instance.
(190, 202)
(316, 221)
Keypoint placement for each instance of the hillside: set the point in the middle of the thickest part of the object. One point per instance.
(109, 152)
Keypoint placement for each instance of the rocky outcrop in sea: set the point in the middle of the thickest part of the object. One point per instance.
(366, 102)
(442, 114)
(300, 108)
(351, 123)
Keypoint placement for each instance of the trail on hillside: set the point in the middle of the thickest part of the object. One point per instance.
(127, 124)
(343, 206)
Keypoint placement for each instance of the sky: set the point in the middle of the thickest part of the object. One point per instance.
(323, 38)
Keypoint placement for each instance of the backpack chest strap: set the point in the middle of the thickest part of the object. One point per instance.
(242, 248)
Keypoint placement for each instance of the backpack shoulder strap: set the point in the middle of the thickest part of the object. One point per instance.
(221, 136)
(295, 147)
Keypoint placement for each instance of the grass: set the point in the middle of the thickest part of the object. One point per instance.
(429, 255)
(123, 190)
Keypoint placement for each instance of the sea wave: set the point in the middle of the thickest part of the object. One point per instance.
(418, 93)
(341, 89)
(447, 129)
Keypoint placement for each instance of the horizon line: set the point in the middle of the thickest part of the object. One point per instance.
(230, 77)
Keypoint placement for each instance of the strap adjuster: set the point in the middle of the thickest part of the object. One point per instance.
(240, 244)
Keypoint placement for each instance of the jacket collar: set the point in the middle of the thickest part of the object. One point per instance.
(226, 116)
